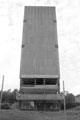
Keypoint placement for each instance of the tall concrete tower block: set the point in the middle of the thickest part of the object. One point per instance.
(39, 69)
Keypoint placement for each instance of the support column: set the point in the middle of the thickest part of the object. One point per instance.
(35, 105)
(44, 84)
(35, 81)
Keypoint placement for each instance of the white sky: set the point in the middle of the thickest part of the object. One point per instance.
(68, 26)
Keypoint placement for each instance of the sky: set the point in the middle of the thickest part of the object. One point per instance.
(68, 30)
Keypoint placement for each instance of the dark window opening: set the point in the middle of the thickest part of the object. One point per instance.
(54, 21)
(28, 81)
(50, 81)
(56, 46)
(23, 45)
(25, 20)
(39, 81)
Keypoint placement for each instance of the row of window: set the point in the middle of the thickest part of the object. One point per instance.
(39, 81)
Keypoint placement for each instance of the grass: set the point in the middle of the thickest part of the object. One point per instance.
(34, 115)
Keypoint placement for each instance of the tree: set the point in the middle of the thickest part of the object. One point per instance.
(13, 95)
(8, 96)
(70, 98)
(70, 101)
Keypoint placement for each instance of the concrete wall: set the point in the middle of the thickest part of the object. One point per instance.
(39, 42)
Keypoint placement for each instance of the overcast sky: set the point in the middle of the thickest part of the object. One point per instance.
(68, 27)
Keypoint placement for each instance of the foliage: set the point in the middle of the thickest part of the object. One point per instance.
(70, 98)
(70, 101)
(9, 96)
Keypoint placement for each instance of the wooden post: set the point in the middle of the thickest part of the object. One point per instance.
(64, 101)
(1, 91)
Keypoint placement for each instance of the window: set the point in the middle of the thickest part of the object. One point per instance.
(50, 81)
(39, 81)
(28, 81)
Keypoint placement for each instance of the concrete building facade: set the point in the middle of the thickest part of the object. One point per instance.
(39, 70)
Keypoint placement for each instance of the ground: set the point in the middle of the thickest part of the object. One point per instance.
(34, 115)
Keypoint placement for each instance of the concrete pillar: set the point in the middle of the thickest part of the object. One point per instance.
(35, 105)
(35, 81)
(44, 84)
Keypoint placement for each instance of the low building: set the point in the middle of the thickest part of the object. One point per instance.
(77, 99)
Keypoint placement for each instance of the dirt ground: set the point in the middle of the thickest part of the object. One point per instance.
(34, 115)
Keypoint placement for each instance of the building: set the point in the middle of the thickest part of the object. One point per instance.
(39, 71)
(77, 99)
